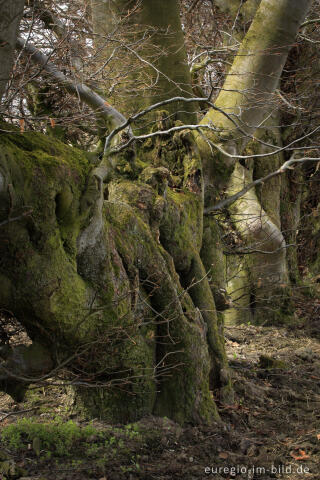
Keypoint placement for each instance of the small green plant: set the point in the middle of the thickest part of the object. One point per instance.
(134, 467)
(132, 430)
(93, 449)
(12, 437)
(79, 445)
(76, 463)
(48, 455)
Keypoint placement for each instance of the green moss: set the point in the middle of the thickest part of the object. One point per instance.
(213, 260)
(181, 227)
(269, 363)
(113, 292)
(44, 152)
(57, 437)
(178, 396)
(48, 179)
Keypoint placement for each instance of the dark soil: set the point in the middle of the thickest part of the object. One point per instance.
(271, 431)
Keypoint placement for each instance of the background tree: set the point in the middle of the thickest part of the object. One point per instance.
(10, 19)
(113, 263)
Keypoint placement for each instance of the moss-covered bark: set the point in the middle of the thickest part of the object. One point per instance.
(123, 277)
(247, 93)
(113, 291)
(265, 249)
(257, 67)
(240, 109)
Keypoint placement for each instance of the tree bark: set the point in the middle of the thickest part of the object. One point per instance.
(11, 14)
(247, 94)
(116, 280)
(241, 107)
(159, 69)
(114, 294)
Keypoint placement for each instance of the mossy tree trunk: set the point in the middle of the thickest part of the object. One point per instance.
(112, 295)
(258, 281)
(119, 288)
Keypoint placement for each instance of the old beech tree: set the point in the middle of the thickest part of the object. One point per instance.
(111, 261)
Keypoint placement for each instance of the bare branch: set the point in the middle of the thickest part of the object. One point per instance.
(218, 146)
(157, 105)
(14, 219)
(9, 414)
(104, 110)
(310, 22)
(233, 198)
(249, 250)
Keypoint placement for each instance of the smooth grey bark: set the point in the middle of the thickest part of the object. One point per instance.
(253, 78)
(247, 97)
(10, 16)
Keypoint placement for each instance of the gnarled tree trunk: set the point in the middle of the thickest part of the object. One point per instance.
(114, 275)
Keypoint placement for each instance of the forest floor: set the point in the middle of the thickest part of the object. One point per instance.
(271, 431)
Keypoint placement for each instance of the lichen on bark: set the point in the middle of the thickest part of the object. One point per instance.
(121, 297)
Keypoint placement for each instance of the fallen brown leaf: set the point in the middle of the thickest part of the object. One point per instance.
(300, 456)
(21, 121)
(223, 455)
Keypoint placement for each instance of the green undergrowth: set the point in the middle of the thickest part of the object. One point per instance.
(58, 445)
(54, 437)
(65, 439)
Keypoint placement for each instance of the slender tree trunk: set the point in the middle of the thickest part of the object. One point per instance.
(158, 70)
(11, 13)
(243, 104)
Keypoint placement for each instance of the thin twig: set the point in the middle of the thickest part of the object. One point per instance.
(6, 415)
(286, 166)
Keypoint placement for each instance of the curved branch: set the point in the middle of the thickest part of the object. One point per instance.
(286, 166)
(255, 73)
(210, 128)
(310, 22)
(112, 117)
